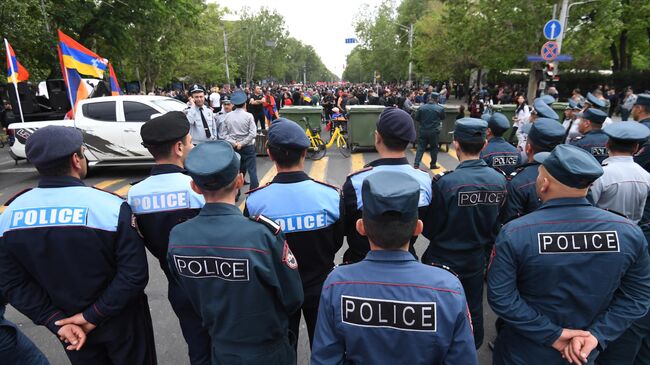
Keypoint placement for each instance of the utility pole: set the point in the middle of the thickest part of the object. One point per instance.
(225, 50)
(410, 53)
(564, 14)
(304, 75)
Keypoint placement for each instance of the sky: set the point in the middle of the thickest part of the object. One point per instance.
(322, 24)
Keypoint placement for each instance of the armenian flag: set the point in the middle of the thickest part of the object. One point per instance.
(15, 71)
(77, 57)
(115, 86)
(76, 89)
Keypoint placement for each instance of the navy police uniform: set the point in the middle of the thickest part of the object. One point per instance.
(499, 154)
(66, 248)
(594, 141)
(567, 242)
(395, 123)
(471, 196)
(430, 117)
(388, 308)
(309, 212)
(522, 199)
(159, 202)
(15, 347)
(239, 273)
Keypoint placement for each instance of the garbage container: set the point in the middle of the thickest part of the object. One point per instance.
(296, 113)
(560, 108)
(509, 111)
(447, 128)
(362, 123)
(260, 142)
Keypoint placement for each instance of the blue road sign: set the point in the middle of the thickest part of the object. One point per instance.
(559, 58)
(550, 51)
(350, 40)
(552, 29)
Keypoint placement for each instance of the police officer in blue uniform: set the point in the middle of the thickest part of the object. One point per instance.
(15, 347)
(388, 308)
(542, 109)
(547, 281)
(430, 117)
(69, 254)
(163, 200)
(522, 199)
(470, 196)
(593, 139)
(239, 273)
(309, 212)
(498, 153)
(394, 132)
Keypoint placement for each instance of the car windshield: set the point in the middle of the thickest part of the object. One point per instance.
(170, 104)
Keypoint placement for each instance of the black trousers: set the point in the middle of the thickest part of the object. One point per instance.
(310, 311)
(473, 286)
(198, 339)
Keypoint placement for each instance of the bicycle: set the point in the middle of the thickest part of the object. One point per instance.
(318, 148)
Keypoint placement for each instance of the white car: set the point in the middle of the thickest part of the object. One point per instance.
(110, 126)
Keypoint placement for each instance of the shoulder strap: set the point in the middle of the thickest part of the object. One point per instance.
(109, 192)
(326, 184)
(259, 188)
(368, 168)
(440, 175)
(270, 224)
(16, 196)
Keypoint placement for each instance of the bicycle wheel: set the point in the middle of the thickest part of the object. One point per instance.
(317, 152)
(343, 146)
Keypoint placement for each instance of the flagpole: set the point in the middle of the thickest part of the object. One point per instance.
(64, 71)
(15, 78)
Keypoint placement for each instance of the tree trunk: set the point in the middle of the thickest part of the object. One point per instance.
(648, 30)
(533, 81)
(623, 50)
(613, 51)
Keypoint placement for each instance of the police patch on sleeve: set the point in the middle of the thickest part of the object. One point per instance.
(403, 316)
(288, 258)
(578, 242)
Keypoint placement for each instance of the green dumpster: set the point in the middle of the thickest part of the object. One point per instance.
(559, 109)
(509, 111)
(362, 123)
(296, 113)
(447, 127)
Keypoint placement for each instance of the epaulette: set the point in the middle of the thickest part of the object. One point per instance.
(270, 224)
(258, 188)
(136, 182)
(440, 175)
(16, 196)
(521, 168)
(326, 184)
(615, 212)
(444, 267)
(109, 192)
(368, 168)
(574, 139)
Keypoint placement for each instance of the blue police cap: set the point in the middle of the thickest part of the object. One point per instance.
(541, 156)
(593, 100)
(594, 115)
(643, 99)
(498, 123)
(196, 88)
(168, 127)
(434, 95)
(52, 143)
(543, 110)
(486, 117)
(470, 129)
(390, 195)
(633, 132)
(546, 133)
(572, 166)
(573, 105)
(548, 99)
(212, 165)
(396, 123)
(238, 97)
(286, 133)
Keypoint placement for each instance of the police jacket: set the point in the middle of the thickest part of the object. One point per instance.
(430, 117)
(160, 202)
(390, 309)
(594, 142)
(461, 220)
(501, 155)
(522, 194)
(310, 214)
(548, 274)
(242, 278)
(66, 248)
(642, 157)
(358, 244)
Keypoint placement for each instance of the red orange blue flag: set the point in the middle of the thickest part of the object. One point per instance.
(76, 56)
(15, 71)
(115, 86)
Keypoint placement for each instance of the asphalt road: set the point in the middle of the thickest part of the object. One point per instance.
(170, 346)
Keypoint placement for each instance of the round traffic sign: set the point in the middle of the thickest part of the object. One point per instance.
(552, 29)
(550, 50)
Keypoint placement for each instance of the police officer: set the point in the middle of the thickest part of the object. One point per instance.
(522, 199)
(624, 186)
(71, 250)
(388, 308)
(597, 101)
(471, 196)
(239, 273)
(641, 113)
(200, 116)
(567, 242)
(15, 347)
(571, 122)
(593, 139)
(239, 130)
(394, 132)
(498, 153)
(161, 201)
(309, 212)
(430, 117)
(220, 117)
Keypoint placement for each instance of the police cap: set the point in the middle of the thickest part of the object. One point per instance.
(572, 166)
(169, 127)
(593, 100)
(643, 99)
(226, 99)
(470, 130)
(631, 132)
(196, 88)
(543, 110)
(238, 97)
(573, 105)
(594, 115)
(212, 165)
(51, 143)
(548, 99)
(486, 117)
(498, 123)
(390, 195)
(286, 133)
(395, 122)
(546, 133)
(434, 95)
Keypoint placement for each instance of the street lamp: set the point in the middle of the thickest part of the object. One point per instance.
(409, 29)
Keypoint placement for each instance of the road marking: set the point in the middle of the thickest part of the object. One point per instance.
(318, 169)
(2, 209)
(452, 153)
(265, 179)
(357, 161)
(123, 191)
(17, 170)
(107, 183)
